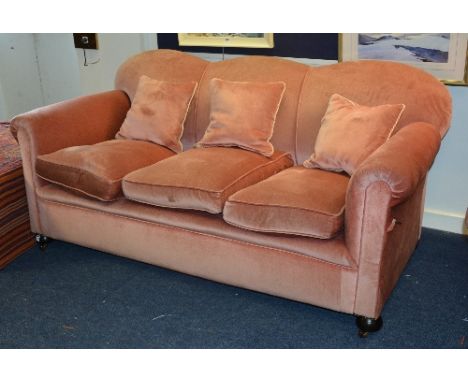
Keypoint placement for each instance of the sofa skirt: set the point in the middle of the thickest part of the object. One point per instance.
(239, 263)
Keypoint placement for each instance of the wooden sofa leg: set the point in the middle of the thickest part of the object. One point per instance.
(42, 241)
(368, 325)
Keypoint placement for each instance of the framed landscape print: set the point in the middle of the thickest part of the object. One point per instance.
(238, 40)
(442, 54)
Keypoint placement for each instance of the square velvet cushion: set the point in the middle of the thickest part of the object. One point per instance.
(97, 170)
(350, 133)
(158, 112)
(201, 179)
(297, 201)
(243, 114)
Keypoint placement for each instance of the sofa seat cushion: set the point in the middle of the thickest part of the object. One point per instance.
(202, 178)
(203, 225)
(97, 170)
(297, 201)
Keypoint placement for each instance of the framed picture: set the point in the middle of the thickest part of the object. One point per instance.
(237, 40)
(444, 55)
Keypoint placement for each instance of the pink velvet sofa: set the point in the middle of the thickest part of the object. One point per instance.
(378, 209)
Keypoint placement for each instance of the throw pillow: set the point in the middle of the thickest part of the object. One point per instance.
(350, 133)
(243, 114)
(158, 112)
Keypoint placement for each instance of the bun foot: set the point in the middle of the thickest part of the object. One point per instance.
(368, 325)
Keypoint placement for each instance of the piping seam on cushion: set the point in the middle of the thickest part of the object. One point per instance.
(309, 258)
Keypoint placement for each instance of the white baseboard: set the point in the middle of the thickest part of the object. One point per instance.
(444, 221)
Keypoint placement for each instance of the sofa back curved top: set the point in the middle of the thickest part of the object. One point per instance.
(308, 90)
(262, 69)
(372, 83)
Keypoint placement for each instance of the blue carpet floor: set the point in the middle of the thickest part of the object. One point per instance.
(74, 297)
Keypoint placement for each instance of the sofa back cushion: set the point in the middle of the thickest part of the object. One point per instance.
(243, 114)
(258, 69)
(370, 83)
(163, 65)
(350, 133)
(158, 112)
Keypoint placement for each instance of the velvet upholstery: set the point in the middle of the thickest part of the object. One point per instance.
(399, 168)
(232, 261)
(81, 121)
(201, 179)
(333, 251)
(370, 83)
(243, 114)
(158, 112)
(296, 201)
(349, 133)
(164, 65)
(377, 193)
(402, 238)
(97, 170)
(353, 272)
(257, 69)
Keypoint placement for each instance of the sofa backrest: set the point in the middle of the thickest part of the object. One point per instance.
(308, 90)
(257, 68)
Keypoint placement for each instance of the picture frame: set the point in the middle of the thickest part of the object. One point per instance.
(444, 55)
(236, 40)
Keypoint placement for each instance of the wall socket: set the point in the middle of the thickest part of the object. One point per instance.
(85, 40)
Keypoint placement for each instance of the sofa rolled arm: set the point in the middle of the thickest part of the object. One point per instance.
(384, 204)
(401, 163)
(79, 121)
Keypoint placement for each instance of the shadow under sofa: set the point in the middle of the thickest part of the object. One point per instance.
(352, 272)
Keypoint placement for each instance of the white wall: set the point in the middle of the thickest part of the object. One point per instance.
(19, 75)
(447, 190)
(58, 67)
(38, 69)
(3, 107)
(114, 48)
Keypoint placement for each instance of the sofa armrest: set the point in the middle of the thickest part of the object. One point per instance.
(401, 163)
(80, 121)
(387, 189)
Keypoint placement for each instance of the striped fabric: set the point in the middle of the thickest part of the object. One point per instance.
(15, 232)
